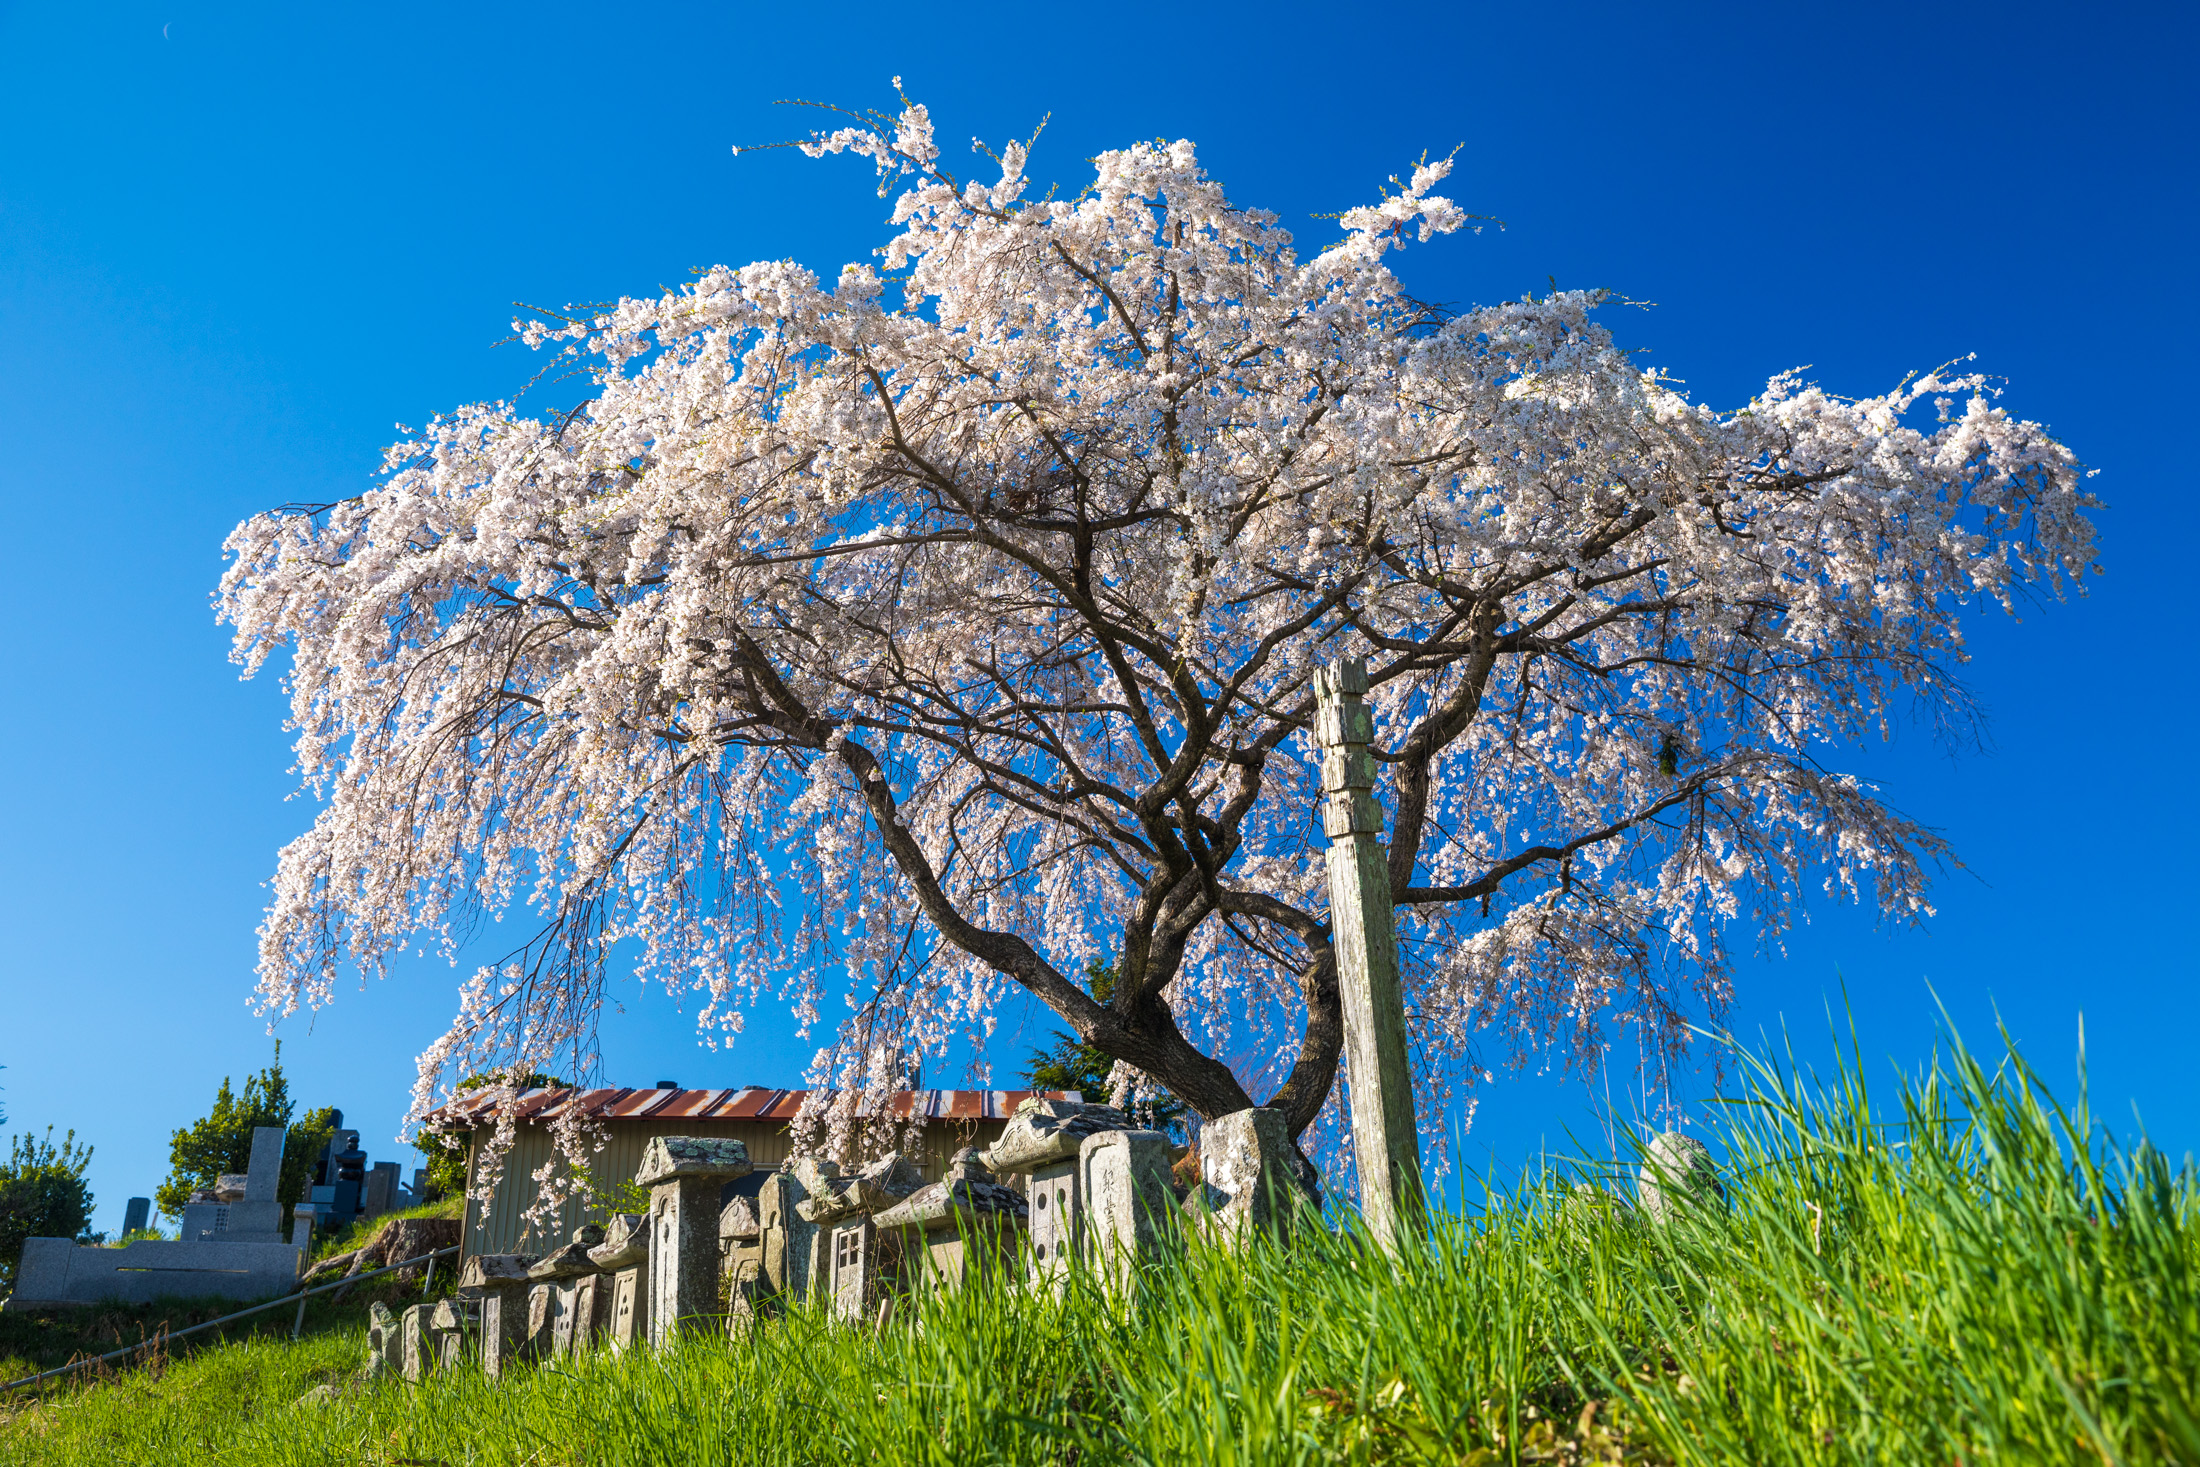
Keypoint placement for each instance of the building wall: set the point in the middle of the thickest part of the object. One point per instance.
(501, 1229)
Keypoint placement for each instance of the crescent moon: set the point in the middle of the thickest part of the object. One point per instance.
(164, 31)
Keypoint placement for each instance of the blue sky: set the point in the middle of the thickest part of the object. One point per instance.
(238, 243)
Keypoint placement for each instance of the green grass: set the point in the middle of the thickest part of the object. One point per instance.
(1969, 1276)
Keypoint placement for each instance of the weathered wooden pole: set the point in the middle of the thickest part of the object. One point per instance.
(1365, 940)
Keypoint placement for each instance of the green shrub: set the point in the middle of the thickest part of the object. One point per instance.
(221, 1140)
(43, 1194)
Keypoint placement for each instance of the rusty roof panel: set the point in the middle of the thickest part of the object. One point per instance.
(746, 1103)
(637, 1103)
(532, 1102)
(784, 1105)
(723, 1105)
(687, 1105)
(595, 1102)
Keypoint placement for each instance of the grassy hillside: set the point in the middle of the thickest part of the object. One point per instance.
(43, 1339)
(1947, 1280)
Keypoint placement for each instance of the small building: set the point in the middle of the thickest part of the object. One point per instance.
(760, 1119)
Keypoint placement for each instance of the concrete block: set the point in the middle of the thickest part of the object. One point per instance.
(56, 1271)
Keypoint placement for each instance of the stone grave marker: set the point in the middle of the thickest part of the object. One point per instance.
(789, 1239)
(957, 1228)
(413, 1332)
(381, 1189)
(499, 1282)
(544, 1304)
(1125, 1181)
(1246, 1181)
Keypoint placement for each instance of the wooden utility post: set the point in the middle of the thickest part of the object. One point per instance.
(1365, 939)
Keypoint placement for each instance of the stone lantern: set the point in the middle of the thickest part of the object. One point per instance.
(684, 1175)
(1044, 1139)
(960, 1226)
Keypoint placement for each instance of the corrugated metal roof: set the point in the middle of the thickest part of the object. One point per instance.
(745, 1103)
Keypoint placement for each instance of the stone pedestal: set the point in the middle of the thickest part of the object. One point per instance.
(854, 1280)
(544, 1305)
(499, 1282)
(503, 1330)
(961, 1226)
(561, 1329)
(1055, 1194)
(684, 1174)
(629, 1308)
(455, 1327)
(56, 1271)
(591, 1307)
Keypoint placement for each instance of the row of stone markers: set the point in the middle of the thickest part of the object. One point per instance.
(1096, 1191)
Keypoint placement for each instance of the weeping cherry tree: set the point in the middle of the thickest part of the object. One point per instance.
(948, 630)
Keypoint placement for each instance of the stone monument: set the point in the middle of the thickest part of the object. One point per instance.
(1124, 1178)
(1364, 937)
(1246, 1181)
